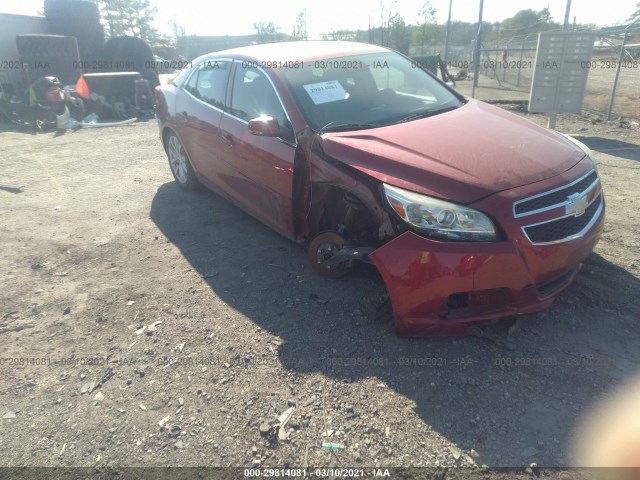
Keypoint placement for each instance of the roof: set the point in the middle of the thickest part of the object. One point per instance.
(301, 51)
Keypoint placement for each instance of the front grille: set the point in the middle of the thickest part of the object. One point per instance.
(554, 198)
(563, 228)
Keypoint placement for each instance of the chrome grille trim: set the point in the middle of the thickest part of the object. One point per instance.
(595, 217)
(549, 192)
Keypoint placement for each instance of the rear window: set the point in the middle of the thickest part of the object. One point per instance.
(180, 78)
(209, 82)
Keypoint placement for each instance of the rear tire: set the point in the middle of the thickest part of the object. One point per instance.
(179, 162)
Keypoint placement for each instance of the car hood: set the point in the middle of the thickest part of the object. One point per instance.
(461, 155)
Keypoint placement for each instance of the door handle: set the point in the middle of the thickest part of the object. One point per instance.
(228, 139)
(183, 117)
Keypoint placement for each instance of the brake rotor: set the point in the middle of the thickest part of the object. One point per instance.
(322, 248)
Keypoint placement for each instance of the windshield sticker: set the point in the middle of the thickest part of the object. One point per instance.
(325, 92)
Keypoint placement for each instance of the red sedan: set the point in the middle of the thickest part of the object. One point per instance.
(470, 213)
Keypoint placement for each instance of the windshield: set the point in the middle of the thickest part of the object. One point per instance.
(366, 91)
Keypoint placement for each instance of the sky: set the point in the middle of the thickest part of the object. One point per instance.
(201, 17)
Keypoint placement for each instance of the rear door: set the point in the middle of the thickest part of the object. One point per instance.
(199, 109)
(262, 166)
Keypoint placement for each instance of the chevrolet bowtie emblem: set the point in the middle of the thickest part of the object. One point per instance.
(578, 203)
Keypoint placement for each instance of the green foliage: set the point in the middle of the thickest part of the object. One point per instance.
(399, 36)
(128, 17)
(350, 35)
(635, 15)
(525, 22)
(425, 35)
(263, 28)
(177, 30)
(427, 31)
(462, 33)
(300, 27)
(394, 32)
(427, 13)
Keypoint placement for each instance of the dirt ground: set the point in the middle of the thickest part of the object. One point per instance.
(141, 325)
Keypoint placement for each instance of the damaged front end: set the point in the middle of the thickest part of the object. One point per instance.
(442, 289)
(338, 211)
(440, 281)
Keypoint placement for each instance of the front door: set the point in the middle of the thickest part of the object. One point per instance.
(263, 166)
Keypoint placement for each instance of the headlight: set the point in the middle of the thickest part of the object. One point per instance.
(439, 219)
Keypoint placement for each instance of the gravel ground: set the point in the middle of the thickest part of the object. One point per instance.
(142, 325)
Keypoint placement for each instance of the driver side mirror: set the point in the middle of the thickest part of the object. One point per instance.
(264, 126)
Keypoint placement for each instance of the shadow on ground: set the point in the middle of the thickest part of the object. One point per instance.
(511, 406)
(615, 148)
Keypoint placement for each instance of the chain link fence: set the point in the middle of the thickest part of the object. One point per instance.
(506, 70)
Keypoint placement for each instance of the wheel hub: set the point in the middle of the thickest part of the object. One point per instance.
(321, 249)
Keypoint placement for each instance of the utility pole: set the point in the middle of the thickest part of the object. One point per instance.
(620, 58)
(447, 36)
(565, 25)
(476, 65)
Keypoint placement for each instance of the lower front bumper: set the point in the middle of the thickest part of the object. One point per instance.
(442, 288)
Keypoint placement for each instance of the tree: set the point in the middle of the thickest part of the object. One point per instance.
(525, 22)
(462, 33)
(384, 24)
(428, 31)
(177, 30)
(521, 23)
(265, 28)
(340, 35)
(399, 37)
(635, 15)
(300, 28)
(140, 14)
(128, 17)
(544, 16)
(266, 31)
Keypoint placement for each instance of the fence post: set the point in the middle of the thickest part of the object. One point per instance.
(520, 69)
(476, 67)
(615, 82)
(504, 69)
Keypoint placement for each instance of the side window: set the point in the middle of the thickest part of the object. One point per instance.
(191, 85)
(212, 82)
(253, 96)
(209, 82)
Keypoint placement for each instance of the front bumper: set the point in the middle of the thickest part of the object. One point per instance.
(442, 288)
